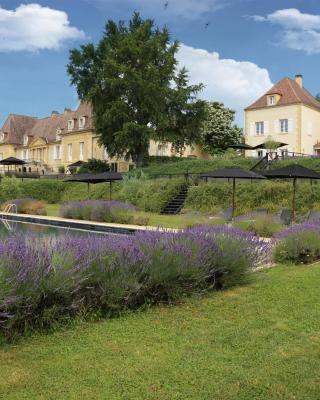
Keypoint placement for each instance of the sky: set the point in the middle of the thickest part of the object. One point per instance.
(237, 48)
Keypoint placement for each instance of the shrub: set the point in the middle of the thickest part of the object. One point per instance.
(49, 280)
(261, 226)
(10, 188)
(149, 195)
(49, 190)
(299, 244)
(98, 210)
(94, 165)
(28, 206)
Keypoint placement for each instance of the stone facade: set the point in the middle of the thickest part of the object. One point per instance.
(287, 113)
(53, 143)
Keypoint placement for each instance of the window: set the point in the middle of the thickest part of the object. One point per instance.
(57, 152)
(25, 154)
(260, 153)
(271, 100)
(260, 128)
(70, 124)
(81, 149)
(105, 154)
(82, 122)
(58, 133)
(70, 152)
(162, 150)
(114, 167)
(284, 125)
(2, 137)
(25, 140)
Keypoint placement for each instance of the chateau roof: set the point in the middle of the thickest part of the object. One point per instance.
(16, 126)
(290, 93)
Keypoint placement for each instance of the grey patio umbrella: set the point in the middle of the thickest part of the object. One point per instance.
(233, 173)
(12, 161)
(265, 145)
(294, 172)
(76, 164)
(97, 178)
(241, 146)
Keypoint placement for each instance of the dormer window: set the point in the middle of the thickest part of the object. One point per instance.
(82, 122)
(70, 124)
(25, 140)
(2, 136)
(271, 100)
(58, 133)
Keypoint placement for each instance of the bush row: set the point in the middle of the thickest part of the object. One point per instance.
(48, 280)
(102, 211)
(272, 195)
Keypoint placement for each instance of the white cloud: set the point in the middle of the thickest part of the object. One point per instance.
(32, 27)
(235, 83)
(300, 31)
(188, 9)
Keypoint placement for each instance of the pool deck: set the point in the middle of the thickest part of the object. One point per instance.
(91, 226)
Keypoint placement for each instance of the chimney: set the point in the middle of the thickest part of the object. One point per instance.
(66, 110)
(299, 80)
(54, 113)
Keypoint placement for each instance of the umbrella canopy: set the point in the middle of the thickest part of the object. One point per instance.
(294, 172)
(265, 145)
(96, 178)
(241, 146)
(12, 161)
(76, 164)
(233, 173)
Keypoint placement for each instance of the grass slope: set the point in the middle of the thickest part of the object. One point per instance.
(256, 342)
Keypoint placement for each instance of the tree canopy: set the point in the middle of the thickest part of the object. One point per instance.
(218, 130)
(135, 89)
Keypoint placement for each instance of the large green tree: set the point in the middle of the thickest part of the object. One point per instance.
(218, 129)
(136, 91)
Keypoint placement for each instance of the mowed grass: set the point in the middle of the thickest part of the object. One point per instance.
(261, 341)
(165, 221)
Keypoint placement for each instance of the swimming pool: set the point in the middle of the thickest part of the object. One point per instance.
(46, 227)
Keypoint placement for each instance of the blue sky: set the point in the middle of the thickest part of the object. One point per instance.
(247, 46)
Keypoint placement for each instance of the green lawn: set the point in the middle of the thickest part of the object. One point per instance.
(261, 341)
(165, 221)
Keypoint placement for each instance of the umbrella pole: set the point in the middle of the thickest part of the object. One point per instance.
(233, 197)
(294, 199)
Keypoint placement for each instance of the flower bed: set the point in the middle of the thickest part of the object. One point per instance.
(53, 279)
(28, 206)
(299, 244)
(102, 211)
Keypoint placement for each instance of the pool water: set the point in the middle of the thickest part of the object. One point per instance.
(8, 228)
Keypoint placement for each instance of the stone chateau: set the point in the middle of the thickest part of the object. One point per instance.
(53, 143)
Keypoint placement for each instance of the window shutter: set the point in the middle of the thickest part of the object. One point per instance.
(266, 127)
(251, 128)
(276, 126)
(290, 125)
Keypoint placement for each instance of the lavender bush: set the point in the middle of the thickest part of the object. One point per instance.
(102, 211)
(299, 244)
(48, 280)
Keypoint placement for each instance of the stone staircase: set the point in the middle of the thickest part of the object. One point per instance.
(176, 204)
